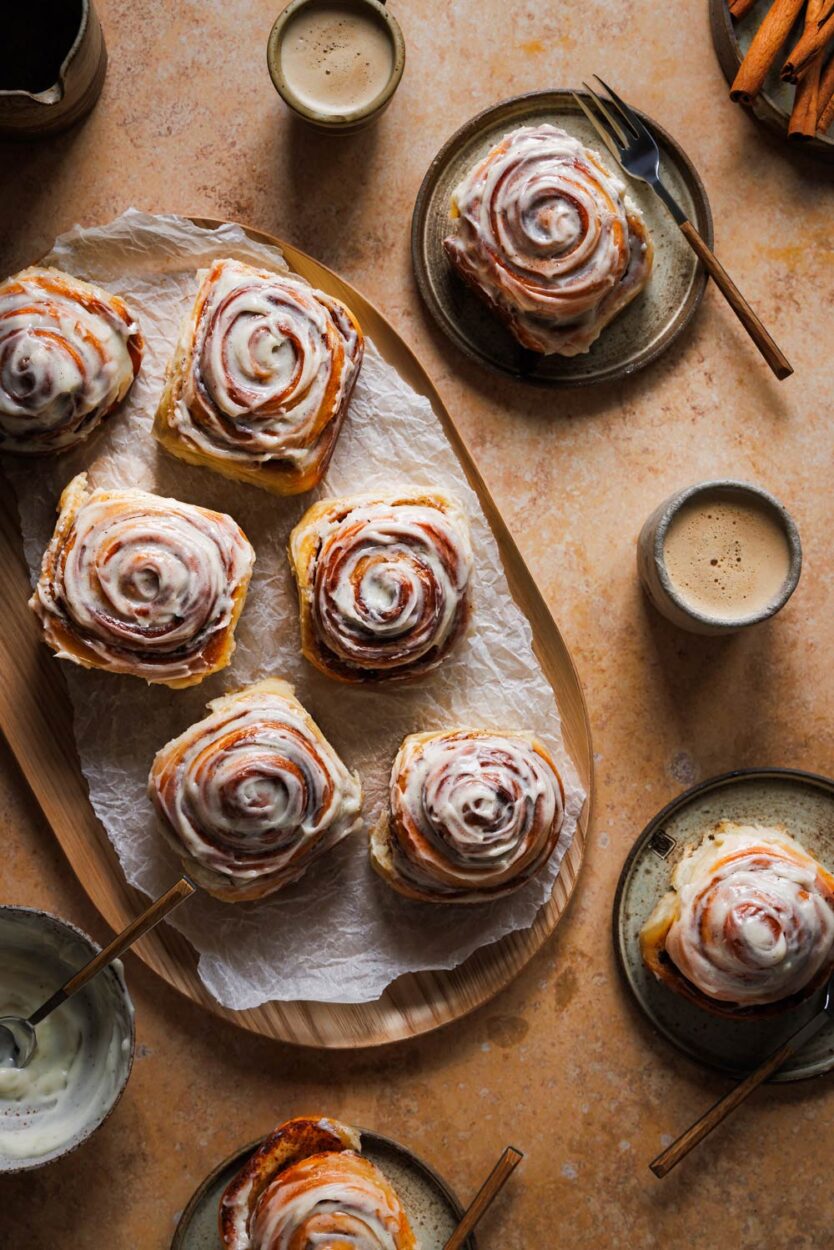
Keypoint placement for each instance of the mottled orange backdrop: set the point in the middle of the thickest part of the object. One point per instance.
(561, 1065)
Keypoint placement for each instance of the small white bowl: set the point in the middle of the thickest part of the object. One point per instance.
(38, 952)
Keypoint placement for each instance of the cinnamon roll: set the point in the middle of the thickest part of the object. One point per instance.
(261, 379)
(748, 924)
(383, 583)
(250, 796)
(68, 355)
(308, 1185)
(472, 815)
(137, 584)
(547, 238)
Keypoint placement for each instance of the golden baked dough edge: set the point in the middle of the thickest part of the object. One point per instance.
(380, 838)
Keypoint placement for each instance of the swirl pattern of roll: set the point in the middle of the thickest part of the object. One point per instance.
(308, 1187)
(748, 924)
(383, 583)
(545, 235)
(69, 353)
(260, 382)
(134, 583)
(253, 794)
(472, 815)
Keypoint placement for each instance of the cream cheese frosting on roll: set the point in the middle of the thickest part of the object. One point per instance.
(751, 919)
(545, 234)
(308, 1187)
(261, 378)
(253, 794)
(139, 584)
(68, 355)
(383, 583)
(473, 815)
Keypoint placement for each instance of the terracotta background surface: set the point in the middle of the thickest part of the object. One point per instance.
(561, 1064)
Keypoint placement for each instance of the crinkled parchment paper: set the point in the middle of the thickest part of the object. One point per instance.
(339, 935)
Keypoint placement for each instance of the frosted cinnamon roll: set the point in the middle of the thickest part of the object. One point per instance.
(748, 923)
(472, 815)
(253, 794)
(383, 583)
(261, 379)
(308, 1187)
(546, 237)
(138, 584)
(68, 355)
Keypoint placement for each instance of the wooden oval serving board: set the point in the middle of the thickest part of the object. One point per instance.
(36, 719)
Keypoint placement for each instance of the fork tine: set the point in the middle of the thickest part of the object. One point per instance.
(624, 137)
(626, 110)
(599, 128)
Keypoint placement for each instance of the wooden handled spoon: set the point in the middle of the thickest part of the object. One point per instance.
(485, 1196)
(679, 1149)
(18, 1040)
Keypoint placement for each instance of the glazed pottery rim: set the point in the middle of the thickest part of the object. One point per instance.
(737, 486)
(239, 1156)
(335, 121)
(58, 922)
(39, 96)
(531, 101)
(775, 772)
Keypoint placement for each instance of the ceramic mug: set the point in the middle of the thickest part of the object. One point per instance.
(54, 66)
(660, 588)
(349, 120)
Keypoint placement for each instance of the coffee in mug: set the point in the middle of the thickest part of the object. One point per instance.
(718, 556)
(336, 62)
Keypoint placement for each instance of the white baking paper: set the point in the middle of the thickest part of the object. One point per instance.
(340, 934)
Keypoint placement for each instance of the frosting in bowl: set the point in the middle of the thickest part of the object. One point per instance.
(84, 1050)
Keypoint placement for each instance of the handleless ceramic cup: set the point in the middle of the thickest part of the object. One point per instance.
(71, 29)
(334, 122)
(49, 950)
(658, 585)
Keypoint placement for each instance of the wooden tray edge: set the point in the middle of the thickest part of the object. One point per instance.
(419, 1000)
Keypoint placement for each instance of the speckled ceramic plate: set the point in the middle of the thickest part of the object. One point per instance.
(773, 107)
(804, 803)
(432, 1207)
(634, 338)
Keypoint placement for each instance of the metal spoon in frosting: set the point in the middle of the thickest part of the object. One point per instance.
(18, 1040)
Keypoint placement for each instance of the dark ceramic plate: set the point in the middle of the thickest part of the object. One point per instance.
(634, 338)
(773, 107)
(804, 804)
(432, 1207)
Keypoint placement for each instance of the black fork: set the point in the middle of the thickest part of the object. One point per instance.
(633, 146)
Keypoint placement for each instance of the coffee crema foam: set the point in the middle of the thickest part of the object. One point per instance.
(336, 58)
(727, 557)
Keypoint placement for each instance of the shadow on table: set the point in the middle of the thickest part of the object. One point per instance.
(326, 186)
(39, 169)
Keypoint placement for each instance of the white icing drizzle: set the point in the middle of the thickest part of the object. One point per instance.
(390, 582)
(472, 811)
(337, 1199)
(146, 583)
(68, 354)
(755, 916)
(546, 236)
(271, 363)
(254, 792)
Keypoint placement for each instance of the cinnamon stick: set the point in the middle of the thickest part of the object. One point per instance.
(805, 111)
(764, 49)
(814, 39)
(825, 98)
(739, 8)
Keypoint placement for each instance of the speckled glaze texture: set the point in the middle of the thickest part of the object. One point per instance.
(563, 1064)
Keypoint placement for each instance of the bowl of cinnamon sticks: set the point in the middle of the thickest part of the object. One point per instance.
(778, 57)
